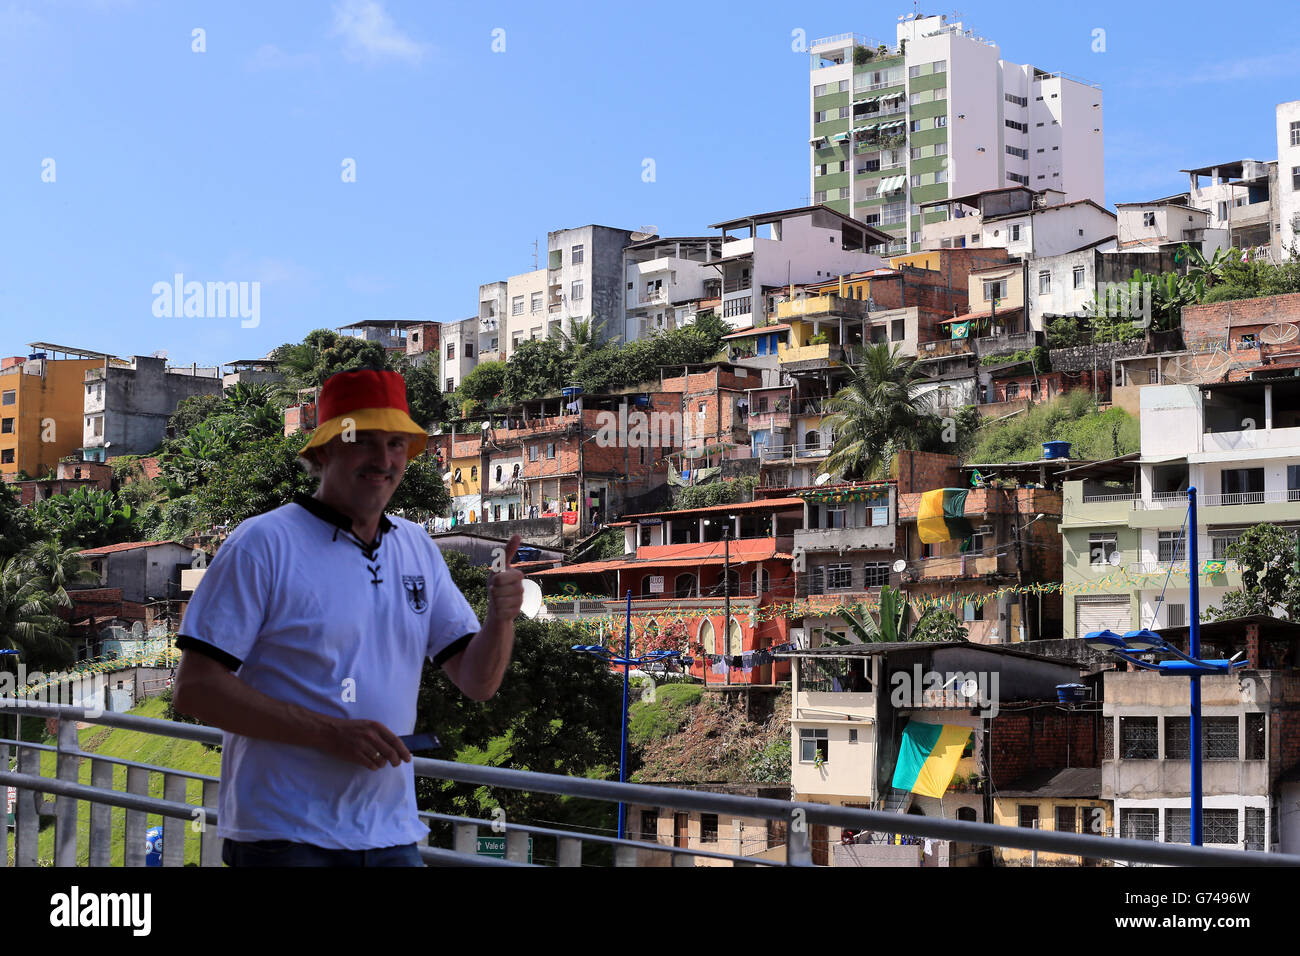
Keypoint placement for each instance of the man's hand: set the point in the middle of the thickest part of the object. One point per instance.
(365, 742)
(506, 588)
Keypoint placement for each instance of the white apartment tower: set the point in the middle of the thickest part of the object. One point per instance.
(937, 115)
(1288, 177)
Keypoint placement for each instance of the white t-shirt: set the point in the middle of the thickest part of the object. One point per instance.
(304, 614)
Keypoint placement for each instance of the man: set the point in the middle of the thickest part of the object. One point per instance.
(305, 642)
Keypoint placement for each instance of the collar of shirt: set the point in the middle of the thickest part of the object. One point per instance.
(331, 515)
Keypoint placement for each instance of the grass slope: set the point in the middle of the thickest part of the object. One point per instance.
(183, 755)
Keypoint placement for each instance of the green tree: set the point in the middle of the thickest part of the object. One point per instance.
(536, 368)
(484, 386)
(877, 412)
(192, 411)
(1269, 579)
(724, 492)
(422, 494)
(892, 623)
(583, 336)
(27, 621)
(265, 475)
(424, 392)
(86, 517)
(17, 526)
(57, 567)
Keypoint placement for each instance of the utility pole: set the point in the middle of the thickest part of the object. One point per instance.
(726, 591)
(1020, 563)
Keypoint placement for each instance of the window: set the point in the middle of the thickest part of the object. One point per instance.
(940, 122)
(1139, 824)
(980, 538)
(533, 453)
(1170, 547)
(1019, 127)
(6, 426)
(1066, 821)
(1295, 177)
(1247, 484)
(7, 456)
(761, 580)
(469, 350)
(8, 398)
(1219, 825)
(994, 289)
(1178, 737)
(940, 66)
(1017, 178)
(916, 180)
(684, 586)
(1018, 100)
(1137, 736)
(1017, 151)
(875, 574)
(1175, 615)
(918, 125)
(1148, 219)
(550, 449)
(1044, 283)
(1178, 825)
(839, 577)
(575, 255)
(897, 330)
(1028, 815)
(473, 473)
(1255, 825)
(451, 385)
(535, 305)
(650, 824)
(1078, 277)
(940, 149)
(913, 72)
(1255, 737)
(517, 305)
(972, 611)
(708, 828)
(813, 742)
(1015, 234)
(575, 291)
(941, 176)
(451, 350)
(817, 581)
(1295, 134)
(1013, 391)
(1220, 741)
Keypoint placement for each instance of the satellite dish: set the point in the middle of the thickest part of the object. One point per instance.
(486, 425)
(968, 688)
(900, 566)
(532, 605)
(643, 235)
(446, 476)
(1114, 559)
(1279, 333)
(822, 478)
(160, 354)
(1200, 368)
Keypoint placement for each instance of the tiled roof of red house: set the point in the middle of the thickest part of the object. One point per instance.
(125, 546)
(743, 551)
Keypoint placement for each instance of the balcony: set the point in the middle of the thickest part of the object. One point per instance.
(942, 348)
(737, 285)
(827, 305)
(809, 406)
(962, 565)
(874, 537)
(1007, 342)
(824, 354)
(1251, 439)
(765, 421)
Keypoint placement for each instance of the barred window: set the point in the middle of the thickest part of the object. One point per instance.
(1255, 828)
(1108, 739)
(708, 828)
(1178, 738)
(649, 824)
(1066, 820)
(877, 574)
(1255, 737)
(839, 577)
(1178, 825)
(1171, 547)
(1029, 815)
(1219, 736)
(1220, 826)
(1138, 738)
(1139, 824)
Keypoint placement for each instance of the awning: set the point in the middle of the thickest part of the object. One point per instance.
(840, 137)
(890, 184)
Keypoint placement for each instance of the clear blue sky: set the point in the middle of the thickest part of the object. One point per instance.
(226, 165)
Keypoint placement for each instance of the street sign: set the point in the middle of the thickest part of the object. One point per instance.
(495, 846)
(11, 797)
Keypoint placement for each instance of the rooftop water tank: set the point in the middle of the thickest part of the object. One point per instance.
(1056, 449)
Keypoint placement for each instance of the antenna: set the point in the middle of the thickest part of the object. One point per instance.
(534, 255)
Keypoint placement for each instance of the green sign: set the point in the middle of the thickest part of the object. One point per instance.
(495, 846)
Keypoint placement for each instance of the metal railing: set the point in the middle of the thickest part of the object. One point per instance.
(182, 817)
(1101, 499)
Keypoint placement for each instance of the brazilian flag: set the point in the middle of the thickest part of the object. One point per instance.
(927, 757)
(940, 517)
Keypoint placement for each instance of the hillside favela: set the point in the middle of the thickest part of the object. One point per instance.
(930, 500)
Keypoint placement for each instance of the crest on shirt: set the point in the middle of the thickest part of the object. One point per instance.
(415, 593)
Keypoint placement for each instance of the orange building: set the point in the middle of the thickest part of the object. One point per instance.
(41, 403)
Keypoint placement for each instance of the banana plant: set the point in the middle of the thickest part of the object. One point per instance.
(891, 623)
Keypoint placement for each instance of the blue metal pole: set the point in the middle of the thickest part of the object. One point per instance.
(622, 756)
(1194, 650)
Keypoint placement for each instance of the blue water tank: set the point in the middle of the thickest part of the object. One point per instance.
(1071, 693)
(1056, 449)
(153, 846)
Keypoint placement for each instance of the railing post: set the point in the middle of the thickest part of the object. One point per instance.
(173, 853)
(568, 851)
(209, 842)
(625, 855)
(101, 816)
(133, 849)
(684, 859)
(798, 849)
(27, 810)
(67, 763)
(517, 846)
(464, 838)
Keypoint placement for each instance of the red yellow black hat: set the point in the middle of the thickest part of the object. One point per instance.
(365, 400)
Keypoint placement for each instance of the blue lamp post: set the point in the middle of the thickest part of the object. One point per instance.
(1190, 665)
(627, 660)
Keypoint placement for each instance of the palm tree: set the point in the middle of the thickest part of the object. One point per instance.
(26, 624)
(877, 412)
(57, 567)
(583, 336)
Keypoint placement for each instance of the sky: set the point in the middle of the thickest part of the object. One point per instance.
(379, 159)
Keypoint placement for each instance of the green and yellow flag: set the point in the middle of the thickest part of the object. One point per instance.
(928, 757)
(940, 517)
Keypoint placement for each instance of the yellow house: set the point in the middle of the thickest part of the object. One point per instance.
(1063, 800)
(41, 403)
(465, 483)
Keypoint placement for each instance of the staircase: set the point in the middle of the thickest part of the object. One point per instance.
(897, 801)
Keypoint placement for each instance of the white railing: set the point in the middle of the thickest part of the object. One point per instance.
(1162, 567)
(1249, 498)
(1099, 499)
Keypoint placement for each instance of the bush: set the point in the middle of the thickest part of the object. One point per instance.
(1071, 417)
(1225, 292)
(862, 55)
(669, 713)
(728, 491)
(771, 765)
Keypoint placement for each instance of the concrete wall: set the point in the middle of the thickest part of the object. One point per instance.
(1288, 159)
(138, 402)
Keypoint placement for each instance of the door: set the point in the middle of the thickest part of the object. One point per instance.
(681, 825)
(1102, 613)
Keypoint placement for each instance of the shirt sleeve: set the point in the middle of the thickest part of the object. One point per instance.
(452, 622)
(229, 606)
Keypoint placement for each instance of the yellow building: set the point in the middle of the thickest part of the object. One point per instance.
(466, 483)
(41, 403)
(931, 260)
(1063, 800)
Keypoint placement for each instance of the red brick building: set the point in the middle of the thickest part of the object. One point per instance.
(1254, 333)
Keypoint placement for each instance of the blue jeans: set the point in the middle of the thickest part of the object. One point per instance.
(287, 853)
